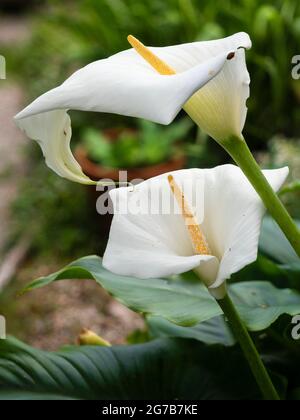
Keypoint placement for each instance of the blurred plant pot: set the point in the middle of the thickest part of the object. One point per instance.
(97, 172)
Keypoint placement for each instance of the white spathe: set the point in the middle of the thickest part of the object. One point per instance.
(153, 244)
(211, 88)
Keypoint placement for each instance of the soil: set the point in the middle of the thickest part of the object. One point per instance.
(54, 316)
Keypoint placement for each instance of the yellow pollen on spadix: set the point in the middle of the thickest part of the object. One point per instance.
(198, 239)
(159, 65)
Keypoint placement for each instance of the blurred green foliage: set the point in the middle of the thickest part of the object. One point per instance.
(73, 33)
(149, 145)
(67, 35)
(286, 152)
(70, 34)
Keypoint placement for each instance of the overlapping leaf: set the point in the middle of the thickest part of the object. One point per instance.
(213, 331)
(274, 244)
(185, 304)
(158, 370)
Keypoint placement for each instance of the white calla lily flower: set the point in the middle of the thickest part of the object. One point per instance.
(220, 238)
(209, 79)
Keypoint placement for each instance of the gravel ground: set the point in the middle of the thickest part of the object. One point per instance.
(12, 165)
(54, 316)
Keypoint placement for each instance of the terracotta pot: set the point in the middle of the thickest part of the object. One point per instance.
(97, 172)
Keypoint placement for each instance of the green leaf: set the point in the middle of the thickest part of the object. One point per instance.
(213, 331)
(97, 145)
(274, 244)
(260, 303)
(292, 268)
(181, 302)
(167, 299)
(161, 369)
(263, 268)
(292, 273)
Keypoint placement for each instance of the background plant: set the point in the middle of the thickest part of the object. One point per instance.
(58, 216)
(149, 145)
(70, 34)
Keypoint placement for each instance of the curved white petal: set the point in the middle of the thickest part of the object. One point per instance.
(146, 243)
(52, 130)
(234, 214)
(121, 85)
(148, 236)
(219, 108)
(126, 84)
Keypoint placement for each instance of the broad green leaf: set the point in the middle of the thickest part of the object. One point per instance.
(292, 268)
(213, 331)
(274, 244)
(263, 268)
(260, 303)
(158, 297)
(161, 369)
(183, 303)
(292, 273)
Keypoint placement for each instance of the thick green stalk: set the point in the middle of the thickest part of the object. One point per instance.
(242, 336)
(239, 151)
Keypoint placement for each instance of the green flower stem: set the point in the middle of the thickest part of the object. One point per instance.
(239, 151)
(242, 336)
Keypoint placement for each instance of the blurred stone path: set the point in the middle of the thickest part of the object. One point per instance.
(54, 317)
(11, 157)
(12, 163)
